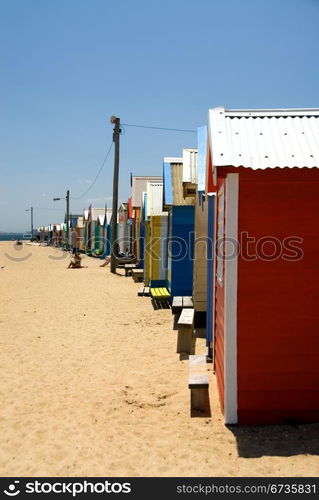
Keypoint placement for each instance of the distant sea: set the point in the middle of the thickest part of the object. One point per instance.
(14, 236)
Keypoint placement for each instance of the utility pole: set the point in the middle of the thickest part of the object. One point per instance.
(31, 223)
(67, 217)
(31, 210)
(67, 198)
(116, 140)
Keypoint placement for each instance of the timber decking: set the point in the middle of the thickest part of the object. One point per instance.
(186, 319)
(180, 302)
(144, 291)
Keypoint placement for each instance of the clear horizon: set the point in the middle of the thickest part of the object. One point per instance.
(68, 66)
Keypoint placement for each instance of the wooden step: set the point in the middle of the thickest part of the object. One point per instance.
(198, 377)
(137, 275)
(144, 291)
(186, 318)
(177, 305)
(187, 302)
(181, 302)
(185, 335)
(198, 383)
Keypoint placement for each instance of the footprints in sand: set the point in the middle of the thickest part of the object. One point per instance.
(145, 401)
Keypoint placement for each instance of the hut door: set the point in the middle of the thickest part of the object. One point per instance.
(226, 296)
(225, 344)
(219, 291)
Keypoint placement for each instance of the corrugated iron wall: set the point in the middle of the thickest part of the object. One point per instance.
(177, 186)
(190, 165)
(210, 269)
(200, 253)
(278, 297)
(154, 199)
(139, 185)
(147, 259)
(141, 245)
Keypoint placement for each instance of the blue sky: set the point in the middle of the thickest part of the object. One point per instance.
(68, 65)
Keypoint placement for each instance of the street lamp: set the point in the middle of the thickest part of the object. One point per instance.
(31, 210)
(67, 198)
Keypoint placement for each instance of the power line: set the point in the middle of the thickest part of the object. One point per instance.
(45, 208)
(96, 177)
(159, 128)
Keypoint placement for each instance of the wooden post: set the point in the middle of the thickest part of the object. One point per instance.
(116, 140)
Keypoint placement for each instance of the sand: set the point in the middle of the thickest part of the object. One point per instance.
(91, 384)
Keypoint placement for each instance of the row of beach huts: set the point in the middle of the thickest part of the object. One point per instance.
(227, 235)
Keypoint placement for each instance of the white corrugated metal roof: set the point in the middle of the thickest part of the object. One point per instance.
(108, 215)
(139, 185)
(190, 165)
(96, 212)
(266, 138)
(122, 207)
(154, 205)
(171, 159)
(101, 219)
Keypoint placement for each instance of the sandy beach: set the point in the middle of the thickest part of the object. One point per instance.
(91, 384)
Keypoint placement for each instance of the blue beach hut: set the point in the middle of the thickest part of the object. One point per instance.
(179, 201)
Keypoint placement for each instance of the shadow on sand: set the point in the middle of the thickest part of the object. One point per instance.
(160, 304)
(175, 321)
(205, 412)
(277, 440)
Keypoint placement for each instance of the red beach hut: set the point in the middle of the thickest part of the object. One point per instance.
(264, 166)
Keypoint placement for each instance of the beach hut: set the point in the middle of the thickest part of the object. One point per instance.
(138, 186)
(49, 232)
(201, 228)
(107, 234)
(99, 224)
(141, 233)
(203, 289)
(94, 237)
(179, 200)
(73, 243)
(86, 229)
(55, 234)
(132, 226)
(156, 230)
(263, 164)
(63, 233)
(80, 233)
(103, 233)
(42, 234)
(100, 234)
(123, 229)
(136, 233)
